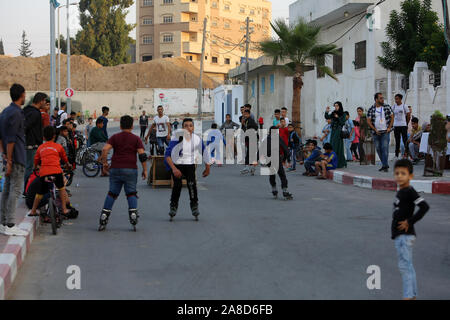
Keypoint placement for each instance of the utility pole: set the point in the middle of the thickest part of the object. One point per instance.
(59, 64)
(53, 6)
(247, 43)
(69, 100)
(202, 61)
(446, 24)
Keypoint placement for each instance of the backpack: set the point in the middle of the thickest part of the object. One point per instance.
(58, 118)
(345, 133)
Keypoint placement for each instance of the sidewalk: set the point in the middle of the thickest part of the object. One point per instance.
(369, 177)
(14, 249)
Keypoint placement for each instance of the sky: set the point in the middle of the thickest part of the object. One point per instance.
(33, 16)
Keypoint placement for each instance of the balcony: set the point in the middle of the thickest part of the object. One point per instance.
(325, 12)
(192, 47)
(189, 6)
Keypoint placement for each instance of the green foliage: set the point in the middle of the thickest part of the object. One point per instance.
(105, 34)
(438, 134)
(2, 50)
(25, 46)
(63, 45)
(414, 34)
(299, 44)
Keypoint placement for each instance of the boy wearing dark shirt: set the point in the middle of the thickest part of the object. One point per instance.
(124, 171)
(403, 220)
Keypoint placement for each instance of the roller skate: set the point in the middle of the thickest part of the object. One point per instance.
(104, 217)
(195, 211)
(275, 192)
(252, 170)
(287, 196)
(134, 216)
(172, 212)
(245, 171)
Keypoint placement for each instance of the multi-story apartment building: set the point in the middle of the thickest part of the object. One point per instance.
(174, 28)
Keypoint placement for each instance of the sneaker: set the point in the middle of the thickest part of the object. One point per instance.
(14, 231)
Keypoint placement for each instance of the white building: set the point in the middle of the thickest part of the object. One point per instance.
(359, 35)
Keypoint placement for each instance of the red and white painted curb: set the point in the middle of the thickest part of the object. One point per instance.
(14, 253)
(426, 186)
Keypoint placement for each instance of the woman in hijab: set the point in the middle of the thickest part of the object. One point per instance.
(338, 120)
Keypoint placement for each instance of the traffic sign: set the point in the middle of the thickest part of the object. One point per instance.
(69, 92)
(161, 95)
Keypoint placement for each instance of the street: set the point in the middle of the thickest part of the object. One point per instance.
(245, 246)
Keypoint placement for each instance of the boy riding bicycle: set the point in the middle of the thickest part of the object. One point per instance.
(49, 157)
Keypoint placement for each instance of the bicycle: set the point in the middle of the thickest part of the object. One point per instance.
(53, 211)
(92, 166)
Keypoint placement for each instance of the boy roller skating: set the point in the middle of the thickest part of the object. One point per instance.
(123, 171)
(403, 221)
(284, 155)
(181, 157)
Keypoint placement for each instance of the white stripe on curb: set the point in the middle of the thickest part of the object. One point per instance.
(2, 289)
(363, 182)
(422, 185)
(11, 260)
(22, 242)
(337, 176)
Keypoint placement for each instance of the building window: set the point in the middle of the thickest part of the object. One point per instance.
(168, 19)
(360, 55)
(337, 62)
(189, 58)
(214, 24)
(147, 58)
(214, 5)
(242, 10)
(263, 85)
(272, 83)
(227, 7)
(253, 88)
(167, 1)
(226, 25)
(147, 40)
(252, 12)
(167, 55)
(236, 107)
(167, 38)
(147, 21)
(148, 3)
(320, 62)
(215, 60)
(227, 61)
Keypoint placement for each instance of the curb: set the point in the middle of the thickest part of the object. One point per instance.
(426, 186)
(14, 254)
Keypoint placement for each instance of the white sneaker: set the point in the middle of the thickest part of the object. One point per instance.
(14, 231)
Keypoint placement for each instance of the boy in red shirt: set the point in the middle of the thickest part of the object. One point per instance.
(284, 131)
(49, 156)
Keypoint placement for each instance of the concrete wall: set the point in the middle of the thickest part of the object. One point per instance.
(176, 101)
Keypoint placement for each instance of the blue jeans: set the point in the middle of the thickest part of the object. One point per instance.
(29, 165)
(160, 142)
(382, 146)
(293, 158)
(118, 178)
(404, 245)
(310, 166)
(348, 144)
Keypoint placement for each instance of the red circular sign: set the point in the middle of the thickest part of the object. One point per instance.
(161, 96)
(69, 92)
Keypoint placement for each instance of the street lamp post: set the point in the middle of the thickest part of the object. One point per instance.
(53, 5)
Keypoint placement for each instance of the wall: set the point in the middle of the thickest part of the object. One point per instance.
(176, 101)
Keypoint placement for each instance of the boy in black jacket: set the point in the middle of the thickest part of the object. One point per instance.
(403, 220)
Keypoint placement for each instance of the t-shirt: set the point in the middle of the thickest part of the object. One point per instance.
(284, 134)
(161, 124)
(380, 119)
(49, 156)
(125, 145)
(334, 160)
(404, 205)
(105, 125)
(45, 119)
(276, 122)
(400, 112)
(62, 116)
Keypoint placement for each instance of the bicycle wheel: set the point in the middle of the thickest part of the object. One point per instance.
(52, 214)
(91, 169)
(69, 178)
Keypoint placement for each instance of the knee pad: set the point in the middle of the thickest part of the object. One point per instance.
(133, 194)
(113, 195)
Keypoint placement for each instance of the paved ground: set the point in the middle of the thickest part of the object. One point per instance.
(246, 245)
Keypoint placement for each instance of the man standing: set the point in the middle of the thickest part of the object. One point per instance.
(247, 124)
(381, 119)
(62, 115)
(103, 117)
(44, 113)
(12, 148)
(401, 119)
(284, 112)
(228, 124)
(143, 123)
(163, 129)
(33, 130)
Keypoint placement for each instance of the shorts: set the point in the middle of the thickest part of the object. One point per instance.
(59, 183)
(331, 167)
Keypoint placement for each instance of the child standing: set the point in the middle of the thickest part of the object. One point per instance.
(328, 162)
(294, 146)
(403, 221)
(355, 143)
(181, 157)
(124, 171)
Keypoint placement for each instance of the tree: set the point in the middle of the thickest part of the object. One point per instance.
(25, 46)
(63, 45)
(104, 36)
(298, 45)
(2, 49)
(414, 34)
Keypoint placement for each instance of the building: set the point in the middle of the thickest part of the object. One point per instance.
(270, 88)
(357, 27)
(173, 28)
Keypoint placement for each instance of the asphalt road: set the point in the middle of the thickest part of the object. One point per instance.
(245, 246)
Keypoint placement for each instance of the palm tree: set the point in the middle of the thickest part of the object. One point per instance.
(299, 46)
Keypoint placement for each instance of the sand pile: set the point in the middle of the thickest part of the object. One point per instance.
(88, 75)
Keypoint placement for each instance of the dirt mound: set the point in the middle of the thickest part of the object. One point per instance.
(88, 75)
